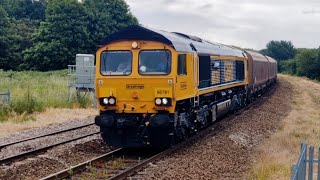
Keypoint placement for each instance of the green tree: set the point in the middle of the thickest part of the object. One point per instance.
(289, 66)
(281, 50)
(4, 42)
(20, 39)
(72, 27)
(29, 9)
(318, 56)
(23, 18)
(308, 63)
(107, 17)
(63, 34)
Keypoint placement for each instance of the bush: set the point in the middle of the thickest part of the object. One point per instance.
(28, 104)
(80, 102)
(4, 112)
(308, 63)
(23, 106)
(289, 66)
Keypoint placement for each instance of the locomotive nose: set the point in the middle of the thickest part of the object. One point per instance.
(144, 95)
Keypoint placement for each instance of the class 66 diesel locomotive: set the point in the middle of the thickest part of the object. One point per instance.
(156, 88)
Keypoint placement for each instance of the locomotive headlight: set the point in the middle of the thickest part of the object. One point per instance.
(158, 101)
(165, 101)
(112, 101)
(105, 101)
(108, 101)
(134, 45)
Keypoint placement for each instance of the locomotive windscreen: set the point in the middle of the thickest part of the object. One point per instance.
(116, 63)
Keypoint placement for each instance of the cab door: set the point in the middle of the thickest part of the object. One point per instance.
(195, 61)
(185, 76)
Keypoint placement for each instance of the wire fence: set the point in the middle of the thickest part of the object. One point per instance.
(306, 167)
(5, 97)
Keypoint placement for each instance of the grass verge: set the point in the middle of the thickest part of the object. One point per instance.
(45, 118)
(281, 150)
(35, 91)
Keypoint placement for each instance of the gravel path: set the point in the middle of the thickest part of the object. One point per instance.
(55, 159)
(44, 130)
(227, 152)
(45, 141)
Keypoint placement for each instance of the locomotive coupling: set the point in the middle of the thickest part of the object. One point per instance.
(114, 121)
(104, 121)
(161, 130)
(160, 120)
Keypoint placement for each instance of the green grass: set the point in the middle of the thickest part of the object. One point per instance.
(35, 91)
(265, 172)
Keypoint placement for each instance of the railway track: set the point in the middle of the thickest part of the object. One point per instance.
(26, 154)
(44, 135)
(123, 163)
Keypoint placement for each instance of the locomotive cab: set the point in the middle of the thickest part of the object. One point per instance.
(135, 78)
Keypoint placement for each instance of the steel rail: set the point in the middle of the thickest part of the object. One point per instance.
(130, 171)
(138, 167)
(124, 174)
(23, 155)
(44, 135)
(81, 167)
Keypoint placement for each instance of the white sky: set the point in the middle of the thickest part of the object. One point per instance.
(244, 23)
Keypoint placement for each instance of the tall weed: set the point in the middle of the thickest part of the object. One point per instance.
(4, 112)
(27, 104)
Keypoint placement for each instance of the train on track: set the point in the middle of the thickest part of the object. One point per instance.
(156, 88)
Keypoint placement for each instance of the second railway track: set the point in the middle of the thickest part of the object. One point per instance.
(43, 135)
(123, 163)
(37, 150)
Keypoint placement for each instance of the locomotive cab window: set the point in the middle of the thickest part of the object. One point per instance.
(240, 70)
(182, 64)
(155, 62)
(116, 63)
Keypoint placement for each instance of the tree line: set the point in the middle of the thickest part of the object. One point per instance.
(46, 34)
(295, 61)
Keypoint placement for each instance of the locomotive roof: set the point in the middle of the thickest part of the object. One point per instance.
(180, 42)
(271, 59)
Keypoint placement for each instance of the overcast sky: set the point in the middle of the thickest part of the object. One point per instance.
(244, 23)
